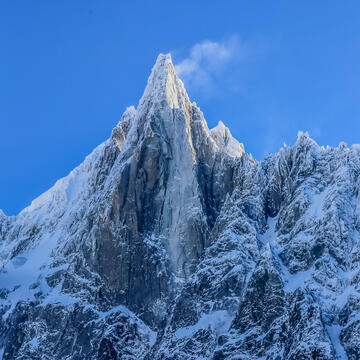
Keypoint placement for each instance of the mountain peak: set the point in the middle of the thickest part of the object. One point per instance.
(164, 244)
(163, 59)
(164, 84)
(225, 141)
(303, 139)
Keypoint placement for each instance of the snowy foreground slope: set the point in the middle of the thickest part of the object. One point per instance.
(170, 242)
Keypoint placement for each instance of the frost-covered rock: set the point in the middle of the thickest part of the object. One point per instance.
(170, 242)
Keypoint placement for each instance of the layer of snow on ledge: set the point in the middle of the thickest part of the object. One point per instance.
(220, 321)
(315, 210)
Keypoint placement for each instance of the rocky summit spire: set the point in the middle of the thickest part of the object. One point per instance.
(164, 85)
(175, 141)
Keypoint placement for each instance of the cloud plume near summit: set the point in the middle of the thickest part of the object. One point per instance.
(209, 59)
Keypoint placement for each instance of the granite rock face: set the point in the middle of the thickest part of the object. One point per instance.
(170, 242)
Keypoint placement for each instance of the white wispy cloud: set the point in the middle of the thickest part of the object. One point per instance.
(209, 59)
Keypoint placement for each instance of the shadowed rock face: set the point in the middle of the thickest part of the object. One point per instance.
(170, 242)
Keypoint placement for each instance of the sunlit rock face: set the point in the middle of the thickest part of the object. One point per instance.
(170, 242)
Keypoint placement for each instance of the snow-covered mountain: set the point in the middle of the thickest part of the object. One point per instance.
(171, 242)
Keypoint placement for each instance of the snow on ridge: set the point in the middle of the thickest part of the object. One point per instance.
(225, 141)
(66, 190)
(164, 85)
(156, 85)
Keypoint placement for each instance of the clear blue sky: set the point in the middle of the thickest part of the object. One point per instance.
(69, 68)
